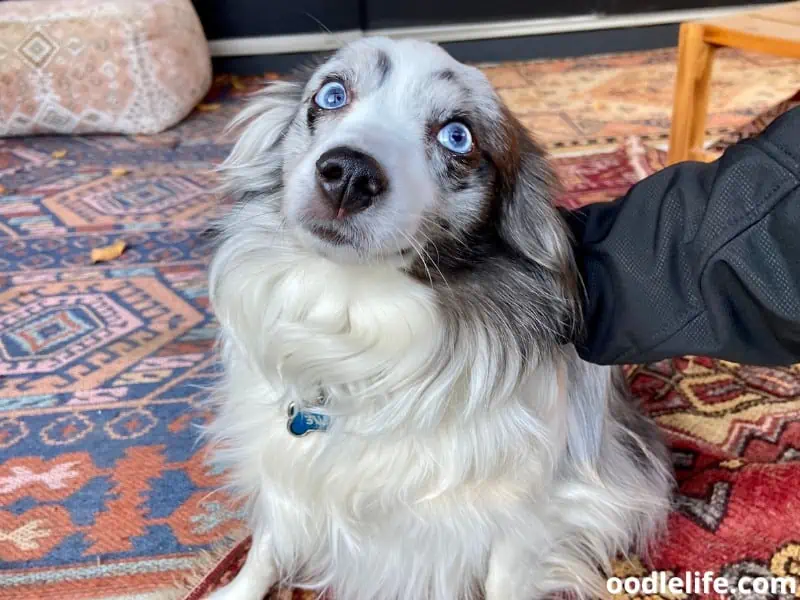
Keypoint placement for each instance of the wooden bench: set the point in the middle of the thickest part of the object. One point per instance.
(774, 30)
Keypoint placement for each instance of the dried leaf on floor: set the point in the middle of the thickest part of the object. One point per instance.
(58, 153)
(119, 171)
(107, 253)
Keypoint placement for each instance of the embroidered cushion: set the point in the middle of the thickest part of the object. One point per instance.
(99, 66)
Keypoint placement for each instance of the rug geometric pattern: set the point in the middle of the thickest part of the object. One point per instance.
(103, 493)
(592, 100)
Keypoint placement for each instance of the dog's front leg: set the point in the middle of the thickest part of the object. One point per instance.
(255, 579)
(508, 577)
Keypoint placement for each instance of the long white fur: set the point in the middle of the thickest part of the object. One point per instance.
(446, 474)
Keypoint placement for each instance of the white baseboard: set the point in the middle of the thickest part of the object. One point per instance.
(317, 42)
(283, 44)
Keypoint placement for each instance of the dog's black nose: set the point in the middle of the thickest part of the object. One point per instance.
(351, 180)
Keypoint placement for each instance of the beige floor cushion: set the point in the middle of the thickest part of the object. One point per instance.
(99, 66)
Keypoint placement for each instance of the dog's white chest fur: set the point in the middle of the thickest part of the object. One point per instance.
(365, 506)
(434, 461)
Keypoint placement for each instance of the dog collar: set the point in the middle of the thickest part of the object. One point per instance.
(302, 422)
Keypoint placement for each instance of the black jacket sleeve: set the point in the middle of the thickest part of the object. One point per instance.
(699, 259)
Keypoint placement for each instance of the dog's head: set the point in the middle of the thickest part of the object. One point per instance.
(393, 152)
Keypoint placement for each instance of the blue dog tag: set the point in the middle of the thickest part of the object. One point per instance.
(302, 422)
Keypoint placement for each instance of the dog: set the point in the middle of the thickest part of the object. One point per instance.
(403, 410)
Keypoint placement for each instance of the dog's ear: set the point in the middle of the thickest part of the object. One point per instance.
(528, 219)
(529, 223)
(263, 124)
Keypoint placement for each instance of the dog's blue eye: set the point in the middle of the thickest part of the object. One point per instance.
(331, 96)
(455, 137)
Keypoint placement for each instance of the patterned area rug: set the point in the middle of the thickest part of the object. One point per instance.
(103, 367)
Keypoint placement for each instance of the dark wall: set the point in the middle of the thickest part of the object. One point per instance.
(243, 18)
(382, 13)
(640, 6)
(579, 43)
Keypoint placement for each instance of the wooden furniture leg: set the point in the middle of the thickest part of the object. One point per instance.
(695, 58)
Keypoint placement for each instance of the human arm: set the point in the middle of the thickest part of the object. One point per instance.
(698, 259)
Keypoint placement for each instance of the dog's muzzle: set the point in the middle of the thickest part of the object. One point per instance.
(350, 180)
